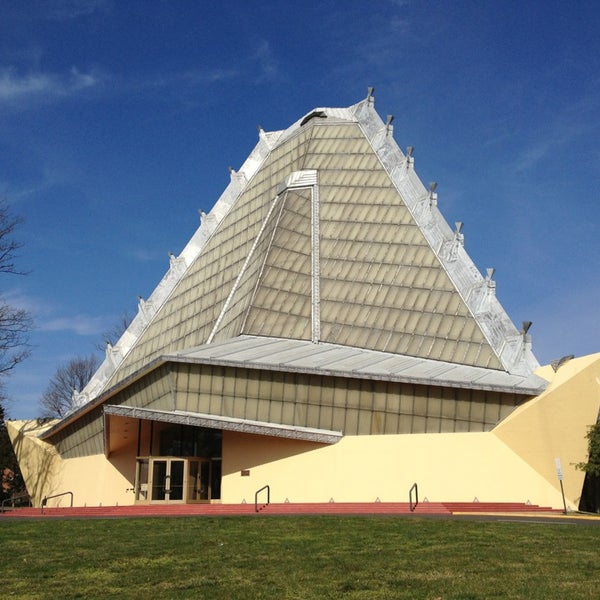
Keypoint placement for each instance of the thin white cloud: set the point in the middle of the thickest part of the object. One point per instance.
(13, 87)
(577, 120)
(66, 10)
(203, 77)
(18, 89)
(382, 36)
(17, 298)
(190, 78)
(546, 146)
(30, 89)
(400, 25)
(79, 324)
(143, 255)
(44, 321)
(264, 56)
(43, 314)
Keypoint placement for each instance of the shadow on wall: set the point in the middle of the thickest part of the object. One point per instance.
(124, 461)
(590, 496)
(244, 450)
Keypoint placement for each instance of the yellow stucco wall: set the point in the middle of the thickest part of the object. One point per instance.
(554, 424)
(446, 467)
(514, 462)
(94, 480)
(39, 462)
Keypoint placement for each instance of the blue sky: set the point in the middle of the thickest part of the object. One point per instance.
(118, 120)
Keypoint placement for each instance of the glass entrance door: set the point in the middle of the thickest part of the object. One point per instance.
(197, 490)
(174, 479)
(167, 479)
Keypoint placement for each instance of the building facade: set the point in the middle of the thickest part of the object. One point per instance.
(323, 332)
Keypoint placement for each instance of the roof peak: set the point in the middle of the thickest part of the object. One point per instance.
(372, 175)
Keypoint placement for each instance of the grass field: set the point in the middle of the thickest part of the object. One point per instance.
(297, 558)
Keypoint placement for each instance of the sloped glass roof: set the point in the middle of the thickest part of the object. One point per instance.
(360, 258)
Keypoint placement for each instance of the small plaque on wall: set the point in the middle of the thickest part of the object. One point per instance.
(245, 473)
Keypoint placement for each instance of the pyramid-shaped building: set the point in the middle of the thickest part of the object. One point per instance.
(324, 332)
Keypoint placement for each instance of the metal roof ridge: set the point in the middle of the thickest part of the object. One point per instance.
(513, 348)
(178, 266)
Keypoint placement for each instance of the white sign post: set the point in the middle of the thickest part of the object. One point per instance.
(560, 478)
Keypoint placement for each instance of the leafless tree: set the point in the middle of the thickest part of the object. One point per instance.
(113, 335)
(57, 399)
(72, 376)
(15, 322)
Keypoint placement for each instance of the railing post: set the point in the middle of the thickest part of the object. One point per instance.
(266, 487)
(410, 499)
(46, 498)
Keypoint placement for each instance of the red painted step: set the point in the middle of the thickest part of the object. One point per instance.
(496, 507)
(333, 508)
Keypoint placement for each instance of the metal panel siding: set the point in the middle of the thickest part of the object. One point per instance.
(275, 411)
(85, 437)
(351, 422)
(364, 422)
(346, 404)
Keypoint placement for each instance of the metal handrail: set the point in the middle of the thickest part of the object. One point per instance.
(410, 497)
(12, 499)
(46, 498)
(262, 489)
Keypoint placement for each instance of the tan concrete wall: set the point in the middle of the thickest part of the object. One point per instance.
(446, 467)
(94, 480)
(554, 424)
(515, 462)
(39, 462)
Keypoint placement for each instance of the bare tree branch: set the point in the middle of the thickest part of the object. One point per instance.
(113, 335)
(73, 376)
(15, 323)
(8, 245)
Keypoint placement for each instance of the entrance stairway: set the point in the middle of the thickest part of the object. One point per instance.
(288, 508)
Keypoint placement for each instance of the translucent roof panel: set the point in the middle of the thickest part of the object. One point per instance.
(282, 304)
(208, 281)
(381, 285)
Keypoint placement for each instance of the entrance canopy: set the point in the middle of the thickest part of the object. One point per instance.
(119, 423)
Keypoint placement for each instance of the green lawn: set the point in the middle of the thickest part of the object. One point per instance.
(297, 558)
